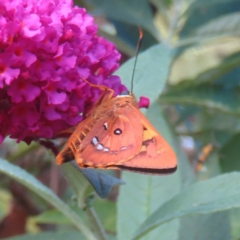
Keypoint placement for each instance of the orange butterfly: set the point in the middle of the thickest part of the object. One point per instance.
(116, 135)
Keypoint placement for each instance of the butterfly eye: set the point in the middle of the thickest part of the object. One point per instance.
(117, 131)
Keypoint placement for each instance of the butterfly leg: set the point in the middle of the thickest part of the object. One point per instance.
(65, 155)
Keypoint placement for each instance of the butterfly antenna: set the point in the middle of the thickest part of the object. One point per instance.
(137, 51)
(104, 88)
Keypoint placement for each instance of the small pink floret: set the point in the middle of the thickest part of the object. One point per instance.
(144, 102)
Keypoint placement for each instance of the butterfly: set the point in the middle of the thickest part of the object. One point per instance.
(116, 135)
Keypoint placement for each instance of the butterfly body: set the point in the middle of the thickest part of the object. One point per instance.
(116, 135)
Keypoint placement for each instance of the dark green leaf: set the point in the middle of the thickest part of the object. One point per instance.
(130, 35)
(230, 155)
(214, 75)
(211, 97)
(133, 12)
(105, 210)
(224, 26)
(201, 13)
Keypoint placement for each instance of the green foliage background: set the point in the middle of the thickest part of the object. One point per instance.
(189, 68)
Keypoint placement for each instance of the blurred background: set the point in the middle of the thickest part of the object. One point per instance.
(201, 101)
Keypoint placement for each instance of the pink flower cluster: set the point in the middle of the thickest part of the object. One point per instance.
(45, 47)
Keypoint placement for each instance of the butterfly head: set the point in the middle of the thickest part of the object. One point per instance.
(127, 97)
(125, 93)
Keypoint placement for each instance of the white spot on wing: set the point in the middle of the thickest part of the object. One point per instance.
(94, 141)
(105, 125)
(99, 147)
(106, 149)
(123, 148)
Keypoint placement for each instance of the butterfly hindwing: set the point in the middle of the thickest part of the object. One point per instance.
(155, 156)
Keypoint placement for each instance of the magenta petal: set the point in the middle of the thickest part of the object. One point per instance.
(24, 114)
(9, 75)
(23, 89)
(144, 102)
(45, 132)
(56, 98)
(29, 58)
(51, 114)
(83, 72)
(65, 7)
(31, 92)
(31, 25)
(67, 62)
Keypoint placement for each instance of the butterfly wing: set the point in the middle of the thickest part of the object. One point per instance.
(118, 135)
(105, 139)
(155, 157)
(112, 140)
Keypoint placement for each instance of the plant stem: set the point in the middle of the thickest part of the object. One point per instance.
(96, 225)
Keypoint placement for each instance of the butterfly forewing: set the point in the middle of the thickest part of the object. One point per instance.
(112, 140)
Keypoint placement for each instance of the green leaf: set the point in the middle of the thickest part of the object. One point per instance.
(105, 210)
(37, 187)
(200, 13)
(130, 35)
(71, 235)
(224, 26)
(78, 182)
(150, 74)
(5, 202)
(235, 223)
(210, 126)
(213, 195)
(213, 75)
(213, 226)
(207, 3)
(52, 216)
(212, 97)
(132, 12)
(229, 155)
